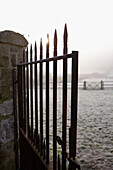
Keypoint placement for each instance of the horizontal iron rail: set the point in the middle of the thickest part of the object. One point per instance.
(47, 59)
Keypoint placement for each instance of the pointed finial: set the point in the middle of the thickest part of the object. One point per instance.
(23, 55)
(65, 39)
(47, 47)
(55, 43)
(41, 42)
(48, 39)
(31, 53)
(27, 54)
(41, 48)
(35, 51)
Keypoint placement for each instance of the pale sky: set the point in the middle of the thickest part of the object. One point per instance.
(89, 23)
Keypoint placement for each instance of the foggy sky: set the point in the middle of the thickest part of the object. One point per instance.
(89, 22)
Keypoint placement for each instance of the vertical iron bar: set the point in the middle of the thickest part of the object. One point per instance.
(31, 92)
(44, 150)
(64, 117)
(24, 92)
(27, 75)
(41, 97)
(36, 97)
(20, 108)
(55, 103)
(38, 143)
(15, 119)
(58, 162)
(70, 143)
(47, 102)
(20, 99)
(74, 95)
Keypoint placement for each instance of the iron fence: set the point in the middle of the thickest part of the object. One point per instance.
(34, 147)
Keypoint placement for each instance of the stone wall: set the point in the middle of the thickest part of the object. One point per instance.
(11, 51)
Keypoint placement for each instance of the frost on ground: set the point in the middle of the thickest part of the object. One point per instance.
(95, 129)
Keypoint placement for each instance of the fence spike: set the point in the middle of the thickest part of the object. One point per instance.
(47, 47)
(55, 43)
(23, 55)
(65, 40)
(41, 48)
(27, 55)
(31, 53)
(35, 51)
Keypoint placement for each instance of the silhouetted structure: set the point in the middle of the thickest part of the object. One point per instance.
(34, 148)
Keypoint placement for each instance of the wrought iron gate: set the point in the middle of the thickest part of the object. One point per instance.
(34, 147)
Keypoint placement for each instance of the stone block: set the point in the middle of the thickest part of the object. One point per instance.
(13, 60)
(5, 94)
(7, 161)
(6, 74)
(0, 73)
(13, 38)
(12, 49)
(6, 108)
(20, 57)
(4, 49)
(7, 129)
(4, 61)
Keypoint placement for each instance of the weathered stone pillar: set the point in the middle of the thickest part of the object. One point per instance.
(11, 51)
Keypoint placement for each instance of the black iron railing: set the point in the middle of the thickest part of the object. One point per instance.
(34, 147)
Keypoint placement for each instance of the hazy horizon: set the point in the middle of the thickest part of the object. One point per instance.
(89, 23)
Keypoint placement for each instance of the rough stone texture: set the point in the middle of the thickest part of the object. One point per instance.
(7, 129)
(6, 108)
(11, 51)
(7, 156)
(10, 37)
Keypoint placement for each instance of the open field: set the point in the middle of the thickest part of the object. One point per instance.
(95, 127)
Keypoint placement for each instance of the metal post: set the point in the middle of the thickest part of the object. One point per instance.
(31, 93)
(15, 120)
(36, 99)
(84, 85)
(41, 96)
(102, 85)
(24, 93)
(55, 103)
(64, 116)
(74, 95)
(47, 102)
(27, 76)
